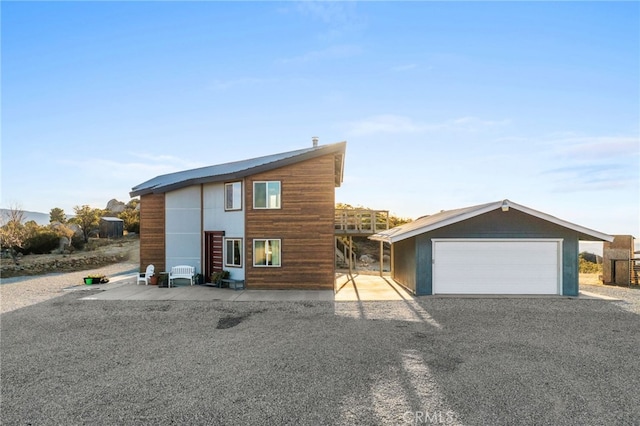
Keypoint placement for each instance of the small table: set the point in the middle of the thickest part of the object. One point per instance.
(234, 284)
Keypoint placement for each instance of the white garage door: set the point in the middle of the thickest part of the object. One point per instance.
(496, 266)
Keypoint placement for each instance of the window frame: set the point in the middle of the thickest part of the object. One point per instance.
(232, 209)
(226, 251)
(267, 182)
(267, 265)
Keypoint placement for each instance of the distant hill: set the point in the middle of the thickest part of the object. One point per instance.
(39, 218)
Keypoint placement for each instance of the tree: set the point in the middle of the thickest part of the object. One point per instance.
(57, 215)
(131, 219)
(12, 231)
(87, 218)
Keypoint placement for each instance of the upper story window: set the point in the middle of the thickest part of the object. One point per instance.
(233, 196)
(266, 195)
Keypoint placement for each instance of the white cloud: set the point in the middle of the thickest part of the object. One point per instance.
(389, 123)
(598, 147)
(338, 18)
(384, 124)
(332, 52)
(405, 67)
(219, 85)
(593, 163)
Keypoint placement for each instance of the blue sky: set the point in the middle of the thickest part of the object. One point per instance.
(443, 104)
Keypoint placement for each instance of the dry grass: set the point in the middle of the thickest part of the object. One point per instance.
(590, 279)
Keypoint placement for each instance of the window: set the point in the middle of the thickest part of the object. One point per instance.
(266, 195)
(266, 253)
(233, 196)
(233, 252)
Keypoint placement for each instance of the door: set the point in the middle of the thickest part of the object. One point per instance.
(213, 252)
(497, 266)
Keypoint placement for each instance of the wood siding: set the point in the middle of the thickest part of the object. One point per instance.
(152, 231)
(304, 224)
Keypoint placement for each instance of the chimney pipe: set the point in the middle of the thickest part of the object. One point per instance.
(314, 139)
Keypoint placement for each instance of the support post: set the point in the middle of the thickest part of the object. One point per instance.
(391, 270)
(381, 257)
(350, 255)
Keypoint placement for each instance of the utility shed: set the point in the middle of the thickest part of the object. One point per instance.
(618, 265)
(111, 227)
(494, 248)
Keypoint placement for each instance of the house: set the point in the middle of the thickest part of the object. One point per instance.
(494, 248)
(268, 221)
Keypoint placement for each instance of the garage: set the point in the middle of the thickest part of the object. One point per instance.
(495, 248)
(496, 266)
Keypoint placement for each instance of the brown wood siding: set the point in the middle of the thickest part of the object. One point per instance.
(152, 231)
(304, 224)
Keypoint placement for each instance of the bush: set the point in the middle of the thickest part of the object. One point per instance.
(78, 241)
(42, 242)
(586, 267)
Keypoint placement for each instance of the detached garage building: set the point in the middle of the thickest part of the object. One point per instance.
(495, 248)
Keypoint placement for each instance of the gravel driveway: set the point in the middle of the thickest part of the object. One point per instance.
(468, 361)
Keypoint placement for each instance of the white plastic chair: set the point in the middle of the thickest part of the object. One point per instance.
(144, 278)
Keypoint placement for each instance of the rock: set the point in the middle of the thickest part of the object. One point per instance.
(386, 258)
(116, 206)
(64, 242)
(366, 258)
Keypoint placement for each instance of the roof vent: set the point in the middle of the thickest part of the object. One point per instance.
(314, 139)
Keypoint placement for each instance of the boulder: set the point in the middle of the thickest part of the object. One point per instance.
(116, 206)
(365, 258)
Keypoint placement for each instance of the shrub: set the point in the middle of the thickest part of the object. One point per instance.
(41, 242)
(587, 267)
(78, 242)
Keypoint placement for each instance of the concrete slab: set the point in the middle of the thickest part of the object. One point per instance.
(355, 288)
(589, 295)
(360, 287)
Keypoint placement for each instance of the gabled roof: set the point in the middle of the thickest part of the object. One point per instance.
(449, 217)
(241, 169)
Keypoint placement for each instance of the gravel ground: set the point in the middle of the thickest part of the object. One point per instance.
(471, 361)
(24, 291)
(629, 297)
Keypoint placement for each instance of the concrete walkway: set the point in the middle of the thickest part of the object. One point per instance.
(365, 288)
(352, 289)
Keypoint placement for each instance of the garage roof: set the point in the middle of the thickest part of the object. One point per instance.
(449, 217)
(240, 169)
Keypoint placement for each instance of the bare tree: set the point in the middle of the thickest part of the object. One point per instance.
(12, 230)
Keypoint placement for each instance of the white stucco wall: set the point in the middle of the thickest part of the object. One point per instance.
(217, 219)
(183, 228)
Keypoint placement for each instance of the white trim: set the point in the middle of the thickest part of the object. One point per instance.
(559, 250)
(239, 196)
(413, 229)
(267, 240)
(225, 252)
(267, 182)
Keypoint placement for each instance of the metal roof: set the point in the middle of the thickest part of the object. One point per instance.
(111, 219)
(240, 169)
(449, 217)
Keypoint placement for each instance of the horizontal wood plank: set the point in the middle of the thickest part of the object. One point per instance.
(304, 224)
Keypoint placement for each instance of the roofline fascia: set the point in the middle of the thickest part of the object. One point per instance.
(336, 148)
(561, 222)
(447, 222)
(490, 207)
